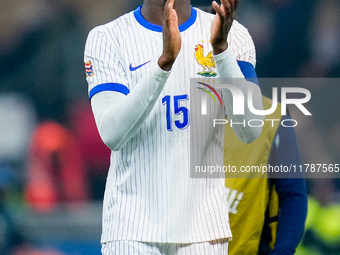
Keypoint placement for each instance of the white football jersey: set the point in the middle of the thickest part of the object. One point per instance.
(149, 194)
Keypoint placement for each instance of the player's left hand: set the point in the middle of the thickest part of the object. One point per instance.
(221, 24)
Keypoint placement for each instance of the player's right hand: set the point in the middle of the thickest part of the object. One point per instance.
(171, 37)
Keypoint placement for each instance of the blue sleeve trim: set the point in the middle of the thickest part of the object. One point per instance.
(156, 28)
(248, 71)
(109, 87)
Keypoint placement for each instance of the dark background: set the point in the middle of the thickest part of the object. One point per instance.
(46, 121)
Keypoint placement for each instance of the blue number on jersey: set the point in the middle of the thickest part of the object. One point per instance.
(178, 110)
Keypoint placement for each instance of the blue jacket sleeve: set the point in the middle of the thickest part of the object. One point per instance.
(292, 193)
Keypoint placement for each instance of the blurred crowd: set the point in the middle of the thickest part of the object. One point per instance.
(51, 155)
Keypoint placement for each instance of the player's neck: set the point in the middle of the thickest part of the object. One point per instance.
(153, 10)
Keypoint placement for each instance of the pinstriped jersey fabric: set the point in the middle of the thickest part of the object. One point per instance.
(217, 247)
(149, 194)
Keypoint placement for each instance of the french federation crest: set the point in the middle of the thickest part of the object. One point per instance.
(207, 62)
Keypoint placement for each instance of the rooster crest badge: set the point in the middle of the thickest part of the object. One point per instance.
(206, 62)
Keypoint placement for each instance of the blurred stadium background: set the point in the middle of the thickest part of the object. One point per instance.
(52, 167)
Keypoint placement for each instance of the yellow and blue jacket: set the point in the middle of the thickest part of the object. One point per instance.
(266, 214)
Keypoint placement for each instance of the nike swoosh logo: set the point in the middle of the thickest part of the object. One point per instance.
(137, 67)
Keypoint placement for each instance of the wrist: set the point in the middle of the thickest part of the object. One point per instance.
(165, 63)
(219, 48)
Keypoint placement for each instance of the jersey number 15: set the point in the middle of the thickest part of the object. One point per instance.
(178, 110)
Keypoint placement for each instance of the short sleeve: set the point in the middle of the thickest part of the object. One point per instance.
(244, 51)
(103, 66)
(243, 47)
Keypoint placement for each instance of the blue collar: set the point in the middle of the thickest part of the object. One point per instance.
(141, 20)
